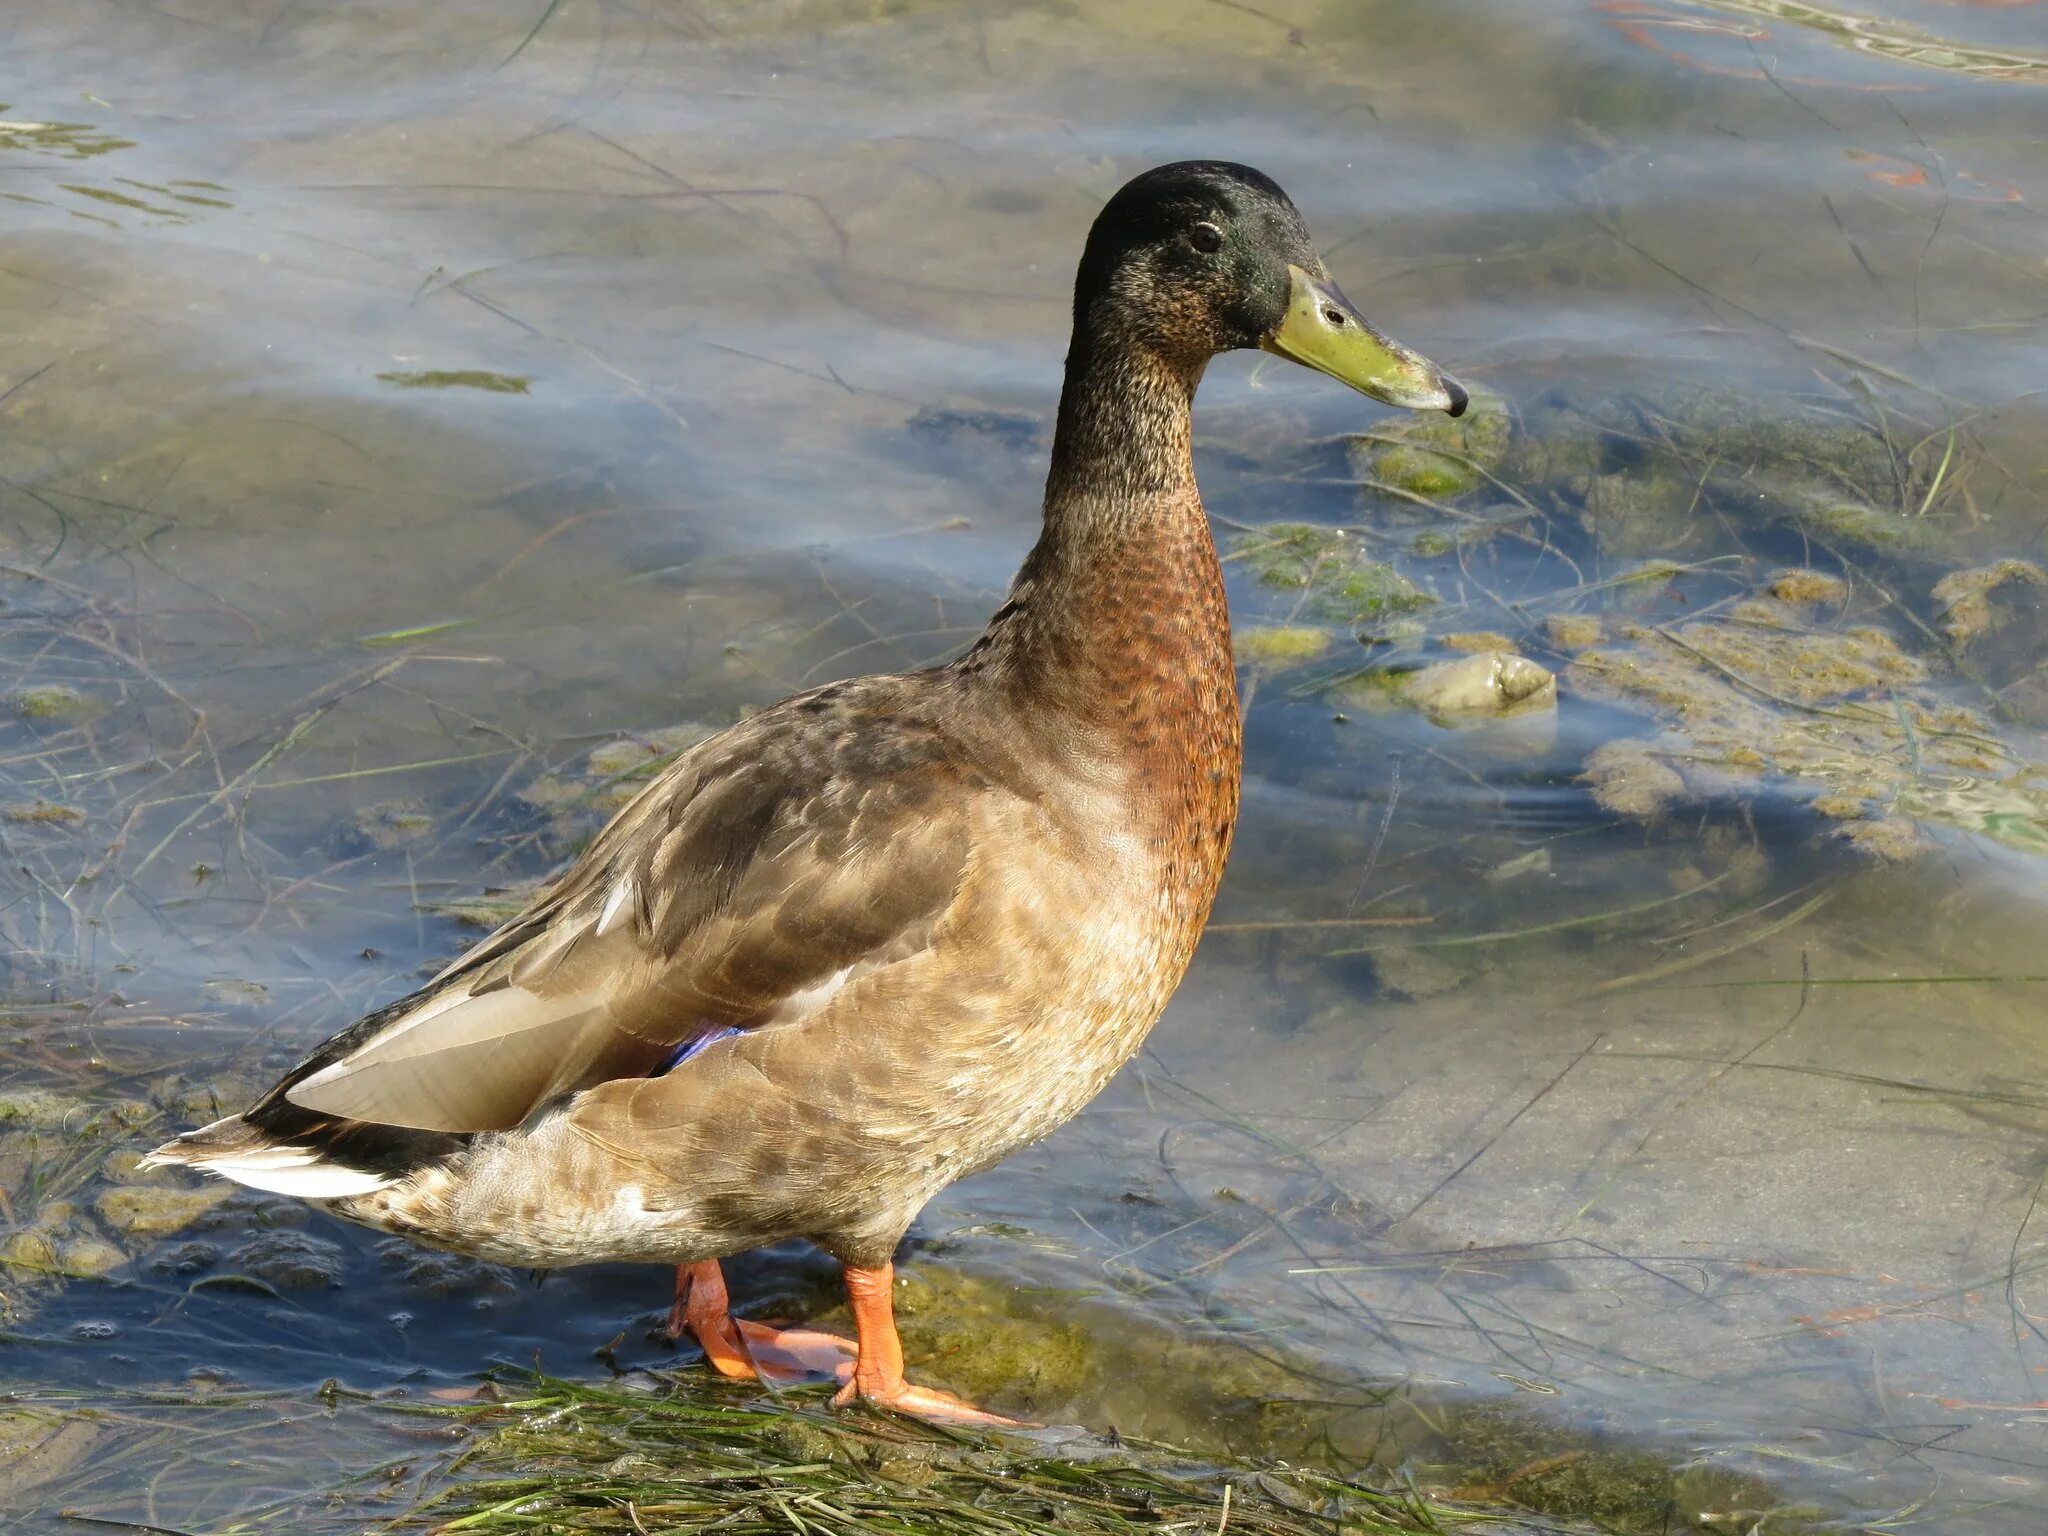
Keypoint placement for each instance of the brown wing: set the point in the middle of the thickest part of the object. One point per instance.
(814, 842)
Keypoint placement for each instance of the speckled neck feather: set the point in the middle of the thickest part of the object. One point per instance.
(1118, 615)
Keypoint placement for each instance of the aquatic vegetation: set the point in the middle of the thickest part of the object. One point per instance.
(1472, 641)
(382, 827)
(1840, 717)
(460, 378)
(1281, 645)
(1572, 631)
(43, 813)
(576, 1455)
(1438, 458)
(69, 141)
(1331, 570)
(289, 1261)
(1637, 472)
(1897, 41)
(56, 701)
(1965, 598)
(155, 1210)
(1809, 588)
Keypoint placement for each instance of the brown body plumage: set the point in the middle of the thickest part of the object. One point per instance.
(894, 928)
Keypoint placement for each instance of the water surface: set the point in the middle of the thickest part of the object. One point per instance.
(398, 407)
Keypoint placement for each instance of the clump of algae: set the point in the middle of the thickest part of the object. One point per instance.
(1437, 457)
(1803, 588)
(45, 813)
(382, 827)
(1965, 598)
(460, 378)
(1281, 645)
(1340, 582)
(609, 775)
(56, 701)
(1837, 716)
(1637, 472)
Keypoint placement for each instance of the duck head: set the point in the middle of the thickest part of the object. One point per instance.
(1205, 256)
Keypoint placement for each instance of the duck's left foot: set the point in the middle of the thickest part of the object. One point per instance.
(877, 1375)
(922, 1402)
(745, 1351)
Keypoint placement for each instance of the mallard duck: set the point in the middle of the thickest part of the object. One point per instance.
(886, 932)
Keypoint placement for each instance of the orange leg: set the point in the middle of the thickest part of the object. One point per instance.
(745, 1351)
(877, 1374)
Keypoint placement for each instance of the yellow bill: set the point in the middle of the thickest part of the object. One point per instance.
(1323, 331)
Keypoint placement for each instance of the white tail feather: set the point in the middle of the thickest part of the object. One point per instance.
(306, 1179)
(279, 1167)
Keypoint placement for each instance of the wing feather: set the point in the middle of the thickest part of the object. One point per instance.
(817, 840)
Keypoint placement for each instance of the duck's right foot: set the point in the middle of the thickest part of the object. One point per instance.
(745, 1351)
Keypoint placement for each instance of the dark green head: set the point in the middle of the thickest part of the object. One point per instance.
(1204, 256)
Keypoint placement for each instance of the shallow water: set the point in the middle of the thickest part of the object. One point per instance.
(394, 410)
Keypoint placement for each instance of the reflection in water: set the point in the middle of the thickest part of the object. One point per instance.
(474, 408)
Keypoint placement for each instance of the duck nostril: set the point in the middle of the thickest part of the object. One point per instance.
(1334, 315)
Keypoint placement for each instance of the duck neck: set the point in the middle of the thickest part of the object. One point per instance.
(1123, 444)
(1118, 615)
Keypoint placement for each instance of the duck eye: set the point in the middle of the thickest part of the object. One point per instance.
(1206, 238)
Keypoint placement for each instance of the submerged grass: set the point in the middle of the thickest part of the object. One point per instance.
(568, 1456)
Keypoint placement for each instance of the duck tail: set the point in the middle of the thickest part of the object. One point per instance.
(236, 1149)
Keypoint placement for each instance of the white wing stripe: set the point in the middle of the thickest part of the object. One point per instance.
(614, 904)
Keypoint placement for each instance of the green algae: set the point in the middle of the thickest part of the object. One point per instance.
(382, 827)
(1572, 631)
(1808, 588)
(44, 813)
(1967, 600)
(1339, 581)
(460, 378)
(1859, 526)
(153, 1210)
(1471, 641)
(1837, 716)
(1496, 1452)
(68, 141)
(1438, 458)
(1281, 645)
(570, 1452)
(56, 701)
(1639, 474)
